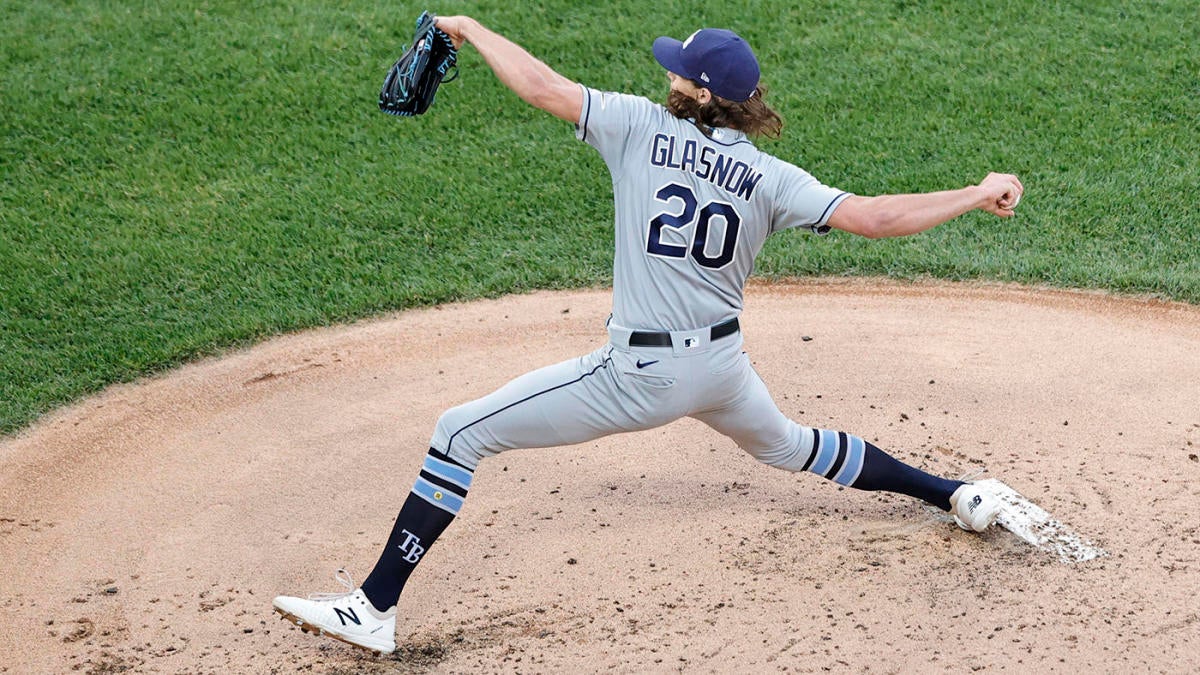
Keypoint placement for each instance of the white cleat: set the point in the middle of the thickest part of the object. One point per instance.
(348, 617)
(974, 508)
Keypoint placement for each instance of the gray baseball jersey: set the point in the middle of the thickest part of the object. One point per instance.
(692, 212)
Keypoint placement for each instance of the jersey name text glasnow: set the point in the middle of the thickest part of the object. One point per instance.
(707, 163)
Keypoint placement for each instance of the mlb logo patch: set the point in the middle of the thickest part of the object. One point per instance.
(688, 343)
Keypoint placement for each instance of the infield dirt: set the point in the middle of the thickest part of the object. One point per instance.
(147, 528)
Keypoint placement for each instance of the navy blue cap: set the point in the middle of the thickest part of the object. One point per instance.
(717, 59)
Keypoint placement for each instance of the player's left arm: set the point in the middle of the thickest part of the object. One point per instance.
(535, 82)
(900, 215)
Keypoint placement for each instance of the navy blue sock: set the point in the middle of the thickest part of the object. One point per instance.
(435, 499)
(853, 462)
(881, 471)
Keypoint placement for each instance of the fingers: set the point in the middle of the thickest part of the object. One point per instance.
(1009, 200)
(452, 26)
(1012, 196)
(1006, 190)
(995, 209)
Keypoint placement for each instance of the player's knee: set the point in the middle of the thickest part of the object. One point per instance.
(449, 439)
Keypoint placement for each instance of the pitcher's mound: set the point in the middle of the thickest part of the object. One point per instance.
(147, 529)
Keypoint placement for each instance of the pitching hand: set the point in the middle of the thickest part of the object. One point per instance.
(1003, 193)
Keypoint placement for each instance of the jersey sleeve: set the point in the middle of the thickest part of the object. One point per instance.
(803, 201)
(612, 123)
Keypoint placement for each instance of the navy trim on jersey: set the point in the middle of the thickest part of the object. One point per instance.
(603, 364)
(836, 200)
(587, 112)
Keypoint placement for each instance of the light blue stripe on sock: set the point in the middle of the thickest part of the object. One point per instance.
(854, 461)
(827, 452)
(455, 474)
(439, 497)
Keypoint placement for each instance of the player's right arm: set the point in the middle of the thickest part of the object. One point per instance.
(902, 215)
(534, 81)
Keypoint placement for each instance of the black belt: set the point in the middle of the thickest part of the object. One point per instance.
(640, 338)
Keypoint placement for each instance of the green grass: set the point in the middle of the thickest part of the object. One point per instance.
(179, 178)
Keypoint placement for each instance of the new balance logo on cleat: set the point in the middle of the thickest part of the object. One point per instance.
(348, 614)
(973, 508)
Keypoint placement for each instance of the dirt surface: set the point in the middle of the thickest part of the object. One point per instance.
(147, 529)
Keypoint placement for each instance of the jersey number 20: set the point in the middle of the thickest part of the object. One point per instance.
(678, 221)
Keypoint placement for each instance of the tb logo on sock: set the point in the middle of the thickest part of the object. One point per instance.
(412, 547)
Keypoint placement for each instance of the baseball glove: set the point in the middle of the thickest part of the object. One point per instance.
(413, 80)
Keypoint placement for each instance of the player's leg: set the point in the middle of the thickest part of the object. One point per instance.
(743, 410)
(563, 404)
(569, 402)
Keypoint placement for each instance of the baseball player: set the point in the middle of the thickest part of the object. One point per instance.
(695, 200)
